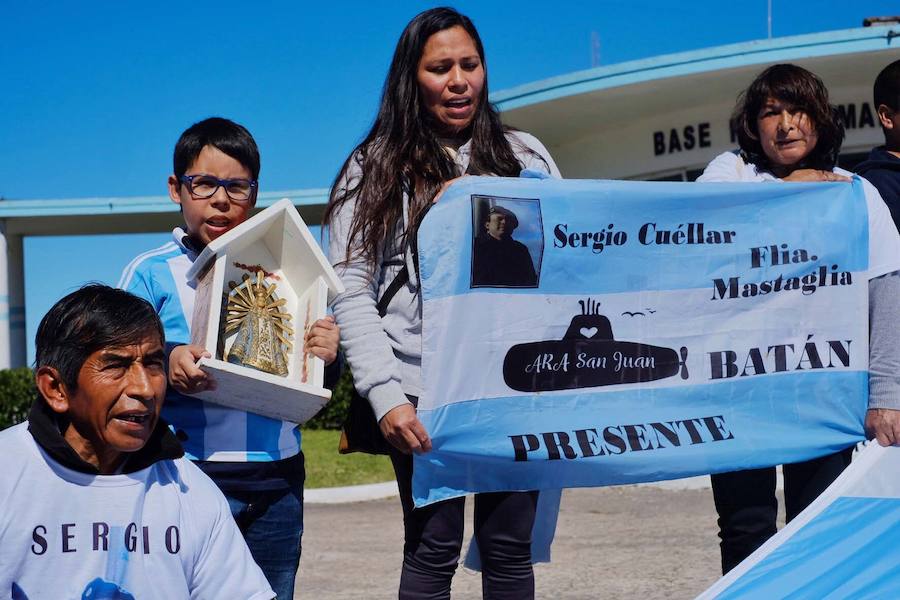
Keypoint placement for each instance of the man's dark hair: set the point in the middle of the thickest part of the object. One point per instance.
(94, 317)
(229, 137)
(802, 90)
(887, 87)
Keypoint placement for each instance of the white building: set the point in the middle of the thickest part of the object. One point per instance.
(666, 117)
(661, 118)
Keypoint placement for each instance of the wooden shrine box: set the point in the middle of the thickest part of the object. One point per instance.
(276, 242)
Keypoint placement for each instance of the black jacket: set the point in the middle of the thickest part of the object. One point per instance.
(46, 428)
(882, 169)
(502, 263)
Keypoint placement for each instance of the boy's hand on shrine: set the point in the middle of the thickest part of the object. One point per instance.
(323, 338)
(184, 374)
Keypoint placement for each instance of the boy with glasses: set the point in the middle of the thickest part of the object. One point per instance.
(256, 461)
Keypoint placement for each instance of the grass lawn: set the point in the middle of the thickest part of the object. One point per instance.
(326, 468)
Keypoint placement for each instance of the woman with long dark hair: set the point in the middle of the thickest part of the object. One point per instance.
(434, 124)
(789, 131)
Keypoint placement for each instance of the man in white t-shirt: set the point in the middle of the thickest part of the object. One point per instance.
(97, 499)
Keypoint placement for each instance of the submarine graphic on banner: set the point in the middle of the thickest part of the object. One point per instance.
(589, 356)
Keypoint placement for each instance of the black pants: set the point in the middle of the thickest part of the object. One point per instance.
(747, 507)
(433, 540)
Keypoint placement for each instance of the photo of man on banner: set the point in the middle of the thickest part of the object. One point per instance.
(499, 260)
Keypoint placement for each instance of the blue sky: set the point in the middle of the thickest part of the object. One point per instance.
(95, 94)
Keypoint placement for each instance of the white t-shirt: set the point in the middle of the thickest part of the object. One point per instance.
(884, 241)
(164, 532)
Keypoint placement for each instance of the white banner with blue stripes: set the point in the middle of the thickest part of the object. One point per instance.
(844, 545)
(584, 333)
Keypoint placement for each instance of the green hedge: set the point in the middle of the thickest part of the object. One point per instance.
(333, 413)
(17, 391)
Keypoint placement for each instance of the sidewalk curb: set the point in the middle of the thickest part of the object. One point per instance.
(352, 493)
(700, 482)
(388, 489)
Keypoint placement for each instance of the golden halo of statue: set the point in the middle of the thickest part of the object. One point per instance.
(253, 309)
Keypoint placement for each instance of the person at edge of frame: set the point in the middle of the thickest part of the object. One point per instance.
(789, 131)
(882, 167)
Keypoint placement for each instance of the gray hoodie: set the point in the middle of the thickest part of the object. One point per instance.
(385, 354)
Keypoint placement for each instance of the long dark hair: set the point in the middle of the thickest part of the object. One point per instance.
(402, 150)
(802, 90)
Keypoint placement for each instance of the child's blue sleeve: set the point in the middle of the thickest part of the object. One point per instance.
(139, 283)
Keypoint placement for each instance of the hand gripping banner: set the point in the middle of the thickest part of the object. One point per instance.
(585, 333)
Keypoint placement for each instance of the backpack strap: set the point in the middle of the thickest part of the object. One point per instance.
(399, 281)
(402, 276)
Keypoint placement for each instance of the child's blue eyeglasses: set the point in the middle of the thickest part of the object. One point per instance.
(239, 191)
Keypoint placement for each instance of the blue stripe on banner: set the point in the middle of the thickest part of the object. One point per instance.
(638, 435)
(851, 547)
(759, 216)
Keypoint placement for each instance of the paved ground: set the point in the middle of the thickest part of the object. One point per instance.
(622, 542)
